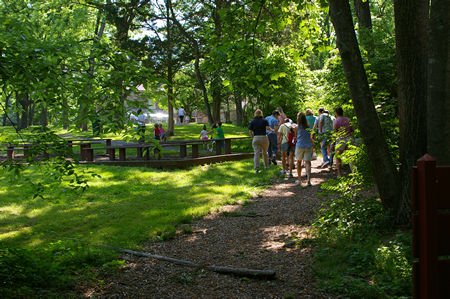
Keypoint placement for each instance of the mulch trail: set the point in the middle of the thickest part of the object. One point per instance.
(231, 238)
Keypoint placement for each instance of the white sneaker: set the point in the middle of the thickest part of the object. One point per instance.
(297, 182)
(325, 164)
(283, 172)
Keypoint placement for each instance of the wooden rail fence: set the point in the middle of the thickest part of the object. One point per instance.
(431, 229)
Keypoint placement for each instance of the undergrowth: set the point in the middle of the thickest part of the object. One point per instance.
(359, 253)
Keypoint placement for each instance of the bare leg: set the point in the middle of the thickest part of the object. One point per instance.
(291, 161)
(283, 159)
(308, 171)
(299, 170)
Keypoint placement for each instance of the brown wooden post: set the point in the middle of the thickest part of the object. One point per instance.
(108, 143)
(139, 152)
(123, 153)
(147, 153)
(183, 150)
(227, 146)
(112, 154)
(195, 150)
(219, 147)
(89, 154)
(10, 152)
(428, 253)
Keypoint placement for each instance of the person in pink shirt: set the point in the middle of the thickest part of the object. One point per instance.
(344, 131)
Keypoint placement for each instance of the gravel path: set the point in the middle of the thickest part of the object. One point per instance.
(261, 242)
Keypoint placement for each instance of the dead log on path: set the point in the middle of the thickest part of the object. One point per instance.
(261, 274)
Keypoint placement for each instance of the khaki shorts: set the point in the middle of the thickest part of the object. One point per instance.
(302, 153)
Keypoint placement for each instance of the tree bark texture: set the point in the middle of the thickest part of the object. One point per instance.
(239, 112)
(411, 25)
(438, 108)
(216, 82)
(384, 171)
(24, 105)
(362, 10)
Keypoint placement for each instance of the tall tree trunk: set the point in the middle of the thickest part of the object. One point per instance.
(65, 104)
(23, 105)
(170, 129)
(31, 110)
(216, 95)
(239, 111)
(44, 115)
(438, 109)
(411, 25)
(6, 109)
(362, 10)
(216, 82)
(384, 173)
(196, 65)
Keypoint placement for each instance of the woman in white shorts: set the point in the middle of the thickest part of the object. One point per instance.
(257, 128)
(303, 148)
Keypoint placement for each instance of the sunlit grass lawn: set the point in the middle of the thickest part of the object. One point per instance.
(123, 206)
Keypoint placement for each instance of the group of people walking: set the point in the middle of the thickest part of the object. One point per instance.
(295, 140)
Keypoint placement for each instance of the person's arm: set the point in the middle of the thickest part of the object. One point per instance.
(251, 133)
(280, 138)
(320, 124)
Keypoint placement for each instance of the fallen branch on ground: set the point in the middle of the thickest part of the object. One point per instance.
(263, 274)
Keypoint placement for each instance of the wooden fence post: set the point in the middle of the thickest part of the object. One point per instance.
(426, 178)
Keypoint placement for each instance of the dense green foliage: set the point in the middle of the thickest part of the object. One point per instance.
(359, 254)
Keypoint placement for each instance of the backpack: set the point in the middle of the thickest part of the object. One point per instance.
(327, 123)
(291, 137)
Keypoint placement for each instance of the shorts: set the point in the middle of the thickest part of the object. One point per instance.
(286, 147)
(204, 138)
(302, 153)
(342, 143)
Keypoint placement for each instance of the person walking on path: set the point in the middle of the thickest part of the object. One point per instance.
(303, 149)
(257, 128)
(181, 114)
(344, 131)
(272, 135)
(325, 126)
(287, 140)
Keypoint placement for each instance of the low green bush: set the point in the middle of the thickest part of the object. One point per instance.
(359, 254)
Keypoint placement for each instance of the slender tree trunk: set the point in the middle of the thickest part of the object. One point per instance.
(44, 115)
(411, 25)
(65, 104)
(24, 103)
(170, 129)
(384, 173)
(196, 65)
(239, 111)
(6, 108)
(439, 83)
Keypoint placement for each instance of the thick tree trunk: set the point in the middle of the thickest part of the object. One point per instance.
(362, 10)
(384, 173)
(411, 24)
(23, 103)
(438, 109)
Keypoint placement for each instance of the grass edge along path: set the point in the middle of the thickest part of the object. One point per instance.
(45, 241)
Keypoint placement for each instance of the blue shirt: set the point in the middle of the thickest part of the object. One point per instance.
(258, 126)
(303, 138)
(273, 121)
